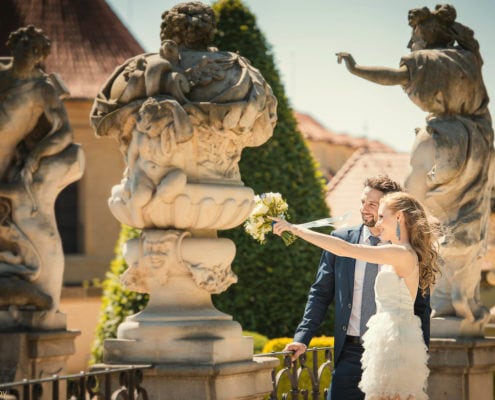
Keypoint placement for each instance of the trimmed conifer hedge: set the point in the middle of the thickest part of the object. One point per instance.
(273, 279)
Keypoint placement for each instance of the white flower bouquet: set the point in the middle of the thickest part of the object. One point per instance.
(258, 224)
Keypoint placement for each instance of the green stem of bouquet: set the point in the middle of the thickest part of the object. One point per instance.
(288, 238)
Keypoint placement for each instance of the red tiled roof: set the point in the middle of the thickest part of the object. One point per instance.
(344, 190)
(88, 40)
(312, 130)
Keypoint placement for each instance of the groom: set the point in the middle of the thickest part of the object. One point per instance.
(343, 279)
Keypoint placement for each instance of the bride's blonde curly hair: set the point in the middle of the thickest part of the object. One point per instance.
(422, 233)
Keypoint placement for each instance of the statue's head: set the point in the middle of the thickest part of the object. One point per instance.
(439, 29)
(152, 117)
(29, 44)
(432, 29)
(169, 50)
(190, 25)
(149, 109)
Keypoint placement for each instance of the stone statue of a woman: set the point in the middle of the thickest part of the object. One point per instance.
(452, 160)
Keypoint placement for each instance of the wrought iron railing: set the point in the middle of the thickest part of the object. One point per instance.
(100, 385)
(307, 378)
(288, 380)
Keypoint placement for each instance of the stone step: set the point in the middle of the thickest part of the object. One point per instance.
(490, 330)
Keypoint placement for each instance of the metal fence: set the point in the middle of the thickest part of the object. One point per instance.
(303, 378)
(123, 383)
(307, 378)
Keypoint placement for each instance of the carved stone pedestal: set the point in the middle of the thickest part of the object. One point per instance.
(197, 351)
(246, 380)
(35, 355)
(202, 342)
(461, 369)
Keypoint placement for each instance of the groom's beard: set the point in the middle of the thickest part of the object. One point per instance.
(368, 220)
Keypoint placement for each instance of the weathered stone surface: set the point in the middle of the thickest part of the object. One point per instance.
(35, 355)
(461, 369)
(37, 160)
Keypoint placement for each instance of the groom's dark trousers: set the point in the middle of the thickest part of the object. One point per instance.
(335, 281)
(346, 377)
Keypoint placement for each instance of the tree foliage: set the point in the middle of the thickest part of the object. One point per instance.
(117, 302)
(273, 279)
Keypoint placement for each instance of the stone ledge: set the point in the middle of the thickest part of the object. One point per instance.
(462, 353)
(76, 292)
(242, 380)
(239, 367)
(461, 369)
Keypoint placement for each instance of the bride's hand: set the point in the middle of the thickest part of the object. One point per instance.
(280, 226)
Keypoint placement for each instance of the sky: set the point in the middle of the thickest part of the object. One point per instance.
(304, 37)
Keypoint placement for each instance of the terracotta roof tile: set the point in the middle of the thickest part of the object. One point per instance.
(88, 40)
(344, 190)
(314, 131)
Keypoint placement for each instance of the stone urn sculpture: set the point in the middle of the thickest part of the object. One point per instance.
(182, 117)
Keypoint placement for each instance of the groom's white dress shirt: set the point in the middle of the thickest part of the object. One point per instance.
(355, 319)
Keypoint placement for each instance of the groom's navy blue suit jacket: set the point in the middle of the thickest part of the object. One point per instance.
(335, 280)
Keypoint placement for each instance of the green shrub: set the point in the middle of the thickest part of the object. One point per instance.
(117, 302)
(278, 344)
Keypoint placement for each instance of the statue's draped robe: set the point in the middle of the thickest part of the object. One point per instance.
(457, 147)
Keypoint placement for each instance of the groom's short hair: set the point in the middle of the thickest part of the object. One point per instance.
(383, 183)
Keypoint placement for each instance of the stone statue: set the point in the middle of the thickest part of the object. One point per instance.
(181, 118)
(38, 159)
(452, 160)
(183, 114)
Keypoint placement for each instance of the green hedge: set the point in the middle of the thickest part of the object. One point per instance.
(117, 302)
(278, 344)
(273, 280)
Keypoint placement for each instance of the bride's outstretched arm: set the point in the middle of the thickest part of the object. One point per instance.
(381, 75)
(385, 254)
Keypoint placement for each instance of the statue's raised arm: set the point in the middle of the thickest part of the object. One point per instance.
(381, 75)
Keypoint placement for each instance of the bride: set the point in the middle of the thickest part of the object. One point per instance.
(395, 356)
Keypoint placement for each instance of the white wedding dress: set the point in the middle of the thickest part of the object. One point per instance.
(395, 356)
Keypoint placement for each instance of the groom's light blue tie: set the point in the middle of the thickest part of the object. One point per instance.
(368, 305)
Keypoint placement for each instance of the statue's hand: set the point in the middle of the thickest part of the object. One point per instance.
(348, 59)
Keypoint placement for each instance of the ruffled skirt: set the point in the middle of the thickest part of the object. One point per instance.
(395, 358)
